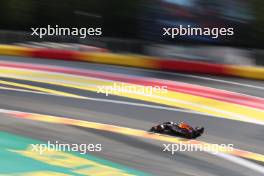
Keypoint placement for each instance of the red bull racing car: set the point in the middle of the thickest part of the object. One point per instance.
(178, 129)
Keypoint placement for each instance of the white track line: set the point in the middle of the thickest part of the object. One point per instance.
(201, 77)
(113, 101)
(242, 162)
(190, 76)
(24, 90)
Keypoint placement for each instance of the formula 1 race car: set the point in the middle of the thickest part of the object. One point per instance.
(178, 129)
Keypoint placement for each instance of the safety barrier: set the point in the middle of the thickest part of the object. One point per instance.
(137, 61)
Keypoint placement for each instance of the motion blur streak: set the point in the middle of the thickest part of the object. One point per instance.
(76, 113)
(221, 95)
(172, 98)
(139, 133)
(125, 131)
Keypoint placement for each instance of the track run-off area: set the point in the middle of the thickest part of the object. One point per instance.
(48, 100)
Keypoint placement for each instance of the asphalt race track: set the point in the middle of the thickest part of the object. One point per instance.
(142, 154)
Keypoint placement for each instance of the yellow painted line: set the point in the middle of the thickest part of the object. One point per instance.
(14, 50)
(135, 133)
(119, 59)
(246, 71)
(201, 104)
(40, 89)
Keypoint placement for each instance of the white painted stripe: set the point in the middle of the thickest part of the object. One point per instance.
(113, 101)
(202, 77)
(242, 162)
(23, 90)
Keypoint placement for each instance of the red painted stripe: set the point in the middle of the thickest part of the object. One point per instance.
(54, 54)
(191, 66)
(221, 95)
